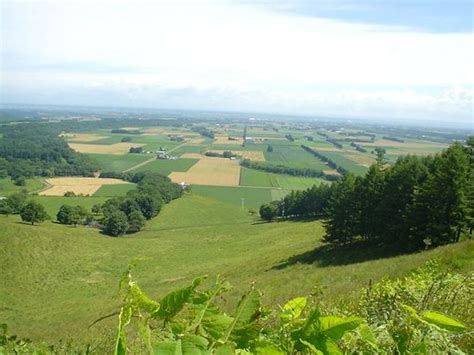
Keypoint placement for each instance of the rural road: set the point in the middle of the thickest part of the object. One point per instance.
(152, 159)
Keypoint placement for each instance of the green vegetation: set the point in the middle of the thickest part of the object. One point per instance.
(36, 150)
(118, 162)
(391, 317)
(410, 205)
(8, 187)
(253, 197)
(250, 177)
(33, 212)
(79, 267)
(293, 156)
(114, 190)
(53, 203)
(165, 167)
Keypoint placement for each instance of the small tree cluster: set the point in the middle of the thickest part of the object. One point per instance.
(73, 215)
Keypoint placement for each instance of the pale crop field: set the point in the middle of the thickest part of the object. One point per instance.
(209, 171)
(360, 159)
(255, 155)
(82, 137)
(226, 140)
(117, 148)
(78, 185)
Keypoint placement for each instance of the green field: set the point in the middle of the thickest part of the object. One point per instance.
(342, 161)
(165, 167)
(114, 190)
(251, 177)
(56, 280)
(7, 186)
(293, 156)
(52, 203)
(118, 163)
(253, 197)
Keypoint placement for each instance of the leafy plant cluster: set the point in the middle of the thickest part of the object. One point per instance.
(408, 315)
(414, 203)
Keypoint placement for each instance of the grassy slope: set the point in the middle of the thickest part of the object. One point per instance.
(254, 197)
(7, 186)
(58, 279)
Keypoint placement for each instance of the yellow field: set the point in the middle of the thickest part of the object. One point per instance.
(168, 130)
(255, 155)
(226, 140)
(78, 185)
(81, 137)
(117, 148)
(331, 172)
(209, 171)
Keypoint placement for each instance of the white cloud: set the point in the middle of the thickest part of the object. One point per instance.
(247, 56)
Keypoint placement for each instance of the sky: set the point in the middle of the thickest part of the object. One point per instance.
(401, 60)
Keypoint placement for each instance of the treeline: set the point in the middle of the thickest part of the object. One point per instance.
(395, 139)
(325, 159)
(203, 131)
(282, 169)
(358, 147)
(418, 201)
(126, 131)
(35, 149)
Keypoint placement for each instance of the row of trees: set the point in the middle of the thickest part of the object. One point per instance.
(283, 169)
(414, 203)
(331, 163)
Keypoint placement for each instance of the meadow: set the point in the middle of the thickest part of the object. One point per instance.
(63, 278)
(7, 187)
(118, 163)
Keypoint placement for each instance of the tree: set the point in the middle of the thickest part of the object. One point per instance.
(341, 225)
(269, 211)
(72, 215)
(19, 181)
(5, 208)
(96, 209)
(269, 148)
(116, 224)
(69, 194)
(136, 221)
(33, 212)
(64, 214)
(16, 201)
(441, 206)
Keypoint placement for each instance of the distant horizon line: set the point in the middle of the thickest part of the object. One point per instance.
(382, 121)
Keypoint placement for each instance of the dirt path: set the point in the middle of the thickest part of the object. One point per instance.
(152, 159)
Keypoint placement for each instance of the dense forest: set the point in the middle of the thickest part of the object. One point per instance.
(36, 150)
(417, 202)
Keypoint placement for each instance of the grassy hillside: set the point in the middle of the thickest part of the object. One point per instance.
(58, 279)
